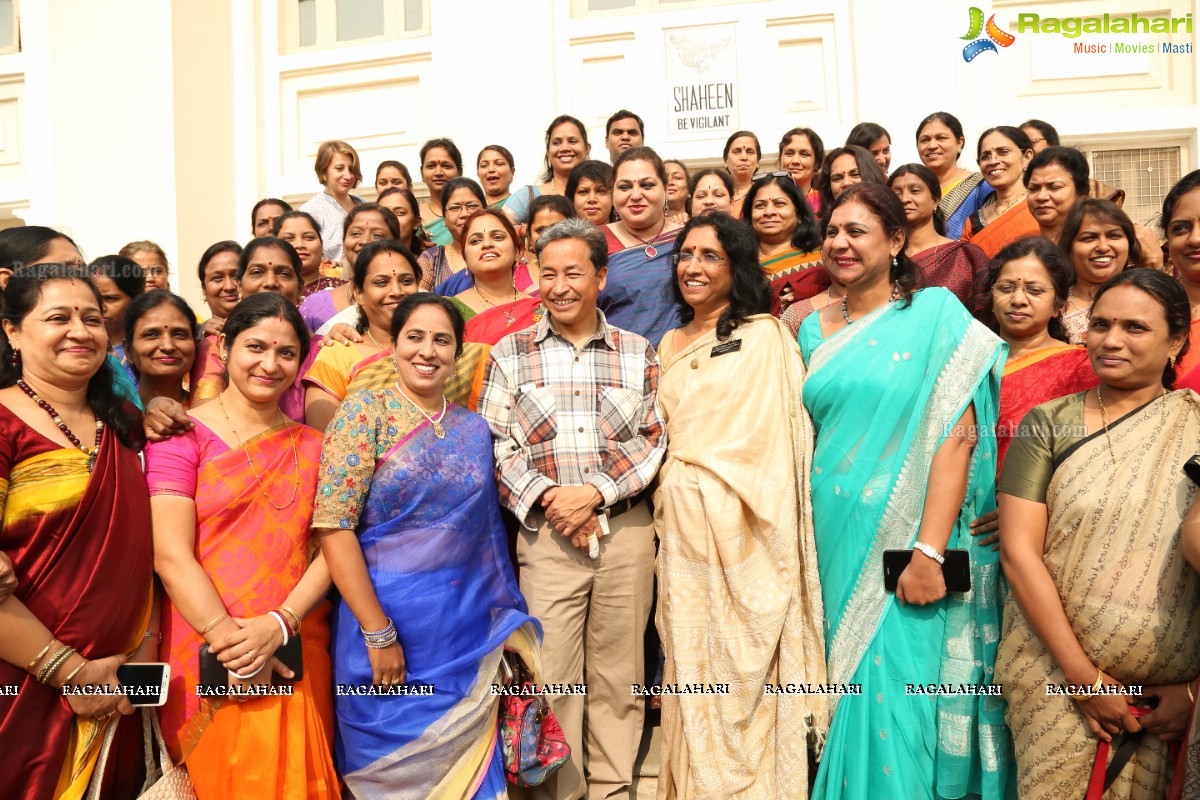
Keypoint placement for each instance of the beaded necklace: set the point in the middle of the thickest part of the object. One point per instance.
(92, 452)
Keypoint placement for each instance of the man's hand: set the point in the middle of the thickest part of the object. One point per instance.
(571, 509)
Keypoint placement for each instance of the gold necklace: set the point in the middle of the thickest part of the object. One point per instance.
(436, 422)
(253, 471)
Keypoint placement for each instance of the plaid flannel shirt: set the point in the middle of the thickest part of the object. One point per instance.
(561, 416)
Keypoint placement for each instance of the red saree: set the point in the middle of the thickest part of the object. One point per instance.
(480, 335)
(802, 271)
(957, 266)
(82, 551)
(1187, 371)
(1037, 378)
(254, 555)
(1016, 223)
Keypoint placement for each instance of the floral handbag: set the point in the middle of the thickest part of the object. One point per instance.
(533, 741)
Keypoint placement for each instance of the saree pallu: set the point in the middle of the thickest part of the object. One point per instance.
(961, 201)
(482, 332)
(884, 393)
(437, 232)
(339, 370)
(739, 600)
(1187, 371)
(1034, 379)
(436, 552)
(637, 296)
(1014, 224)
(800, 270)
(1133, 601)
(958, 266)
(266, 747)
(81, 548)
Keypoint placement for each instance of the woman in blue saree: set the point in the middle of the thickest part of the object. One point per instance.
(410, 523)
(902, 388)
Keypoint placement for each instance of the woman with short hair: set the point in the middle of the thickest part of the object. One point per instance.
(338, 170)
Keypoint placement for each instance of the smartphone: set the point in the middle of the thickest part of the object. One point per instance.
(146, 682)
(213, 672)
(956, 570)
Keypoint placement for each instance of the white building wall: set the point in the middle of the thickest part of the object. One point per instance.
(105, 94)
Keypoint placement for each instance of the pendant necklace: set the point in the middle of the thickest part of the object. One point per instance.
(92, 452)
(435, 421)
(509, 319)
(651, 251)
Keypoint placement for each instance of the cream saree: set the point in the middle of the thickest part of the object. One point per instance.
(739, 598)
(1133, 601)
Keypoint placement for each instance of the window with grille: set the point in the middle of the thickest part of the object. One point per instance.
(323, 24)
(1145, 173)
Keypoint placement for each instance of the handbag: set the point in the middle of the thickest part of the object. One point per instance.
(168, 782)
(532, 741)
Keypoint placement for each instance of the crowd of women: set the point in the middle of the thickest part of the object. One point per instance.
(977, 382)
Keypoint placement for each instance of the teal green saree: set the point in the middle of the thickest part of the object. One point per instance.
(884, 393)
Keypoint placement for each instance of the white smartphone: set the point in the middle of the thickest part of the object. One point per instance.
(146, 683)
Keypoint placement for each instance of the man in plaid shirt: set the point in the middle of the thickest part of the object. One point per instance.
(578, 437)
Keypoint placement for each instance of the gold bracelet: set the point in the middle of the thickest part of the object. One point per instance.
(217, 621)
(1099, 684)
(291, 613)
(75, 671)
(52, 666)
(38, 657)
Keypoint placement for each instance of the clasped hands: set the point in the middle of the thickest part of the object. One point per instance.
(250, 648)
(572, 512)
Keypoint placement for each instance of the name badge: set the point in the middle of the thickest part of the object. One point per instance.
(728, 347)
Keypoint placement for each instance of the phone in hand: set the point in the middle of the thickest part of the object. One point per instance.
(145, 683)
(956, 570)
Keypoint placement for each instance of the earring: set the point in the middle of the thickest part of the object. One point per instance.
(895, 263)
(1171, 358)
(14, 357)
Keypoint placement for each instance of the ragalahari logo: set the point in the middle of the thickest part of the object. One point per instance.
(995, 36)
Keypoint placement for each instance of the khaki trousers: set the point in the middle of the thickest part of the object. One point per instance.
(593, 616)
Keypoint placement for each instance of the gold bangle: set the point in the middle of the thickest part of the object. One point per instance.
(294, 616)
(1191, 697)
(38, 657)
(52, 666)
(216, 621)
(1099, 684)
(75, 671)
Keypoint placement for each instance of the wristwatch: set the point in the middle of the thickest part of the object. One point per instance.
(929, 551)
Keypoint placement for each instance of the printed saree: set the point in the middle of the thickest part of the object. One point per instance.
(81, 548)
(482, 332)
(738, 595)
(800, 270)
(1031, 380)
(637, 296)
(883, 393)
(254, 554)
(958, 266)
(1133, 601)
(961, 201)
(428, 520)
(1014, 224)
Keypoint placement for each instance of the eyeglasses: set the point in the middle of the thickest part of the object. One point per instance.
(1035, 141)
(459, 207)
(684, 259)
(779, 173)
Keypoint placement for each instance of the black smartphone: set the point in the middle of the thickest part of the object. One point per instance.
(956, 570)
(213, 672)
(146, 683)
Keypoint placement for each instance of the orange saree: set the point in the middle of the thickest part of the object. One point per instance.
(265, 747)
